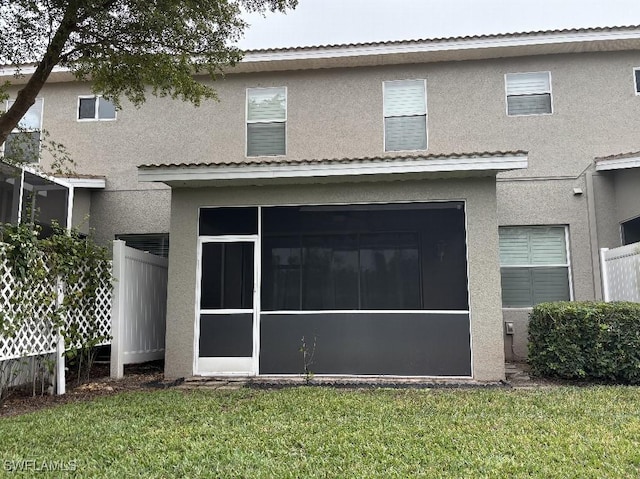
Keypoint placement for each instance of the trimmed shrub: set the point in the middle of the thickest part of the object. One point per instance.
(586, 340)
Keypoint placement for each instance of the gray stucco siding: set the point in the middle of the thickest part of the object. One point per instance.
(484, 279)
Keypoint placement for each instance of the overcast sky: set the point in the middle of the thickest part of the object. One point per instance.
(321, 22)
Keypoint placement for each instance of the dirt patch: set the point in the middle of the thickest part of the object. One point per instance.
(136, 377)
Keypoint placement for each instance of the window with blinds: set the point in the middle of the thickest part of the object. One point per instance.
(405, 115)
(533, 265)
(528, 93)
(266, 121)
(23, 143)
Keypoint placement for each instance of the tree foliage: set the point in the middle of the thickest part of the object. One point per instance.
(123, 47)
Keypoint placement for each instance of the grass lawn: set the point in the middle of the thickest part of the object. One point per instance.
(317, 432)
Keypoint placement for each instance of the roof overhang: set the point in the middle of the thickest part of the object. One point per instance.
(618, 162)
(410, 51)
(338, 170)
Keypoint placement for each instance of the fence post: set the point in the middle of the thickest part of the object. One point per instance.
(117, 310)
(606, 294)
(60, 349)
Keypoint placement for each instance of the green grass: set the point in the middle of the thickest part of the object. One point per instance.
(317, 432)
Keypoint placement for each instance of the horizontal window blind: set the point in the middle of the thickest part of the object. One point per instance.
(528, 83)
(526, 287)
(529, 104)
(267, 104)
(405, 133)
(403, 98)
(405, 111)
(266, 121)
(532, 246)
(265, 139)
(528, 93)
(534, 265)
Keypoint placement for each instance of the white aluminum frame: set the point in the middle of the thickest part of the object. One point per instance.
(234, 366)
(426, 115)
(97, 109)
(257, 239)
(536, 92)
(567, 265)
(285, 121)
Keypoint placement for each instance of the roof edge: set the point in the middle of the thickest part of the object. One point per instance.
(410, 51)
(355, 167)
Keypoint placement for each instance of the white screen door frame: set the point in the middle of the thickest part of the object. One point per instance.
(208, 363)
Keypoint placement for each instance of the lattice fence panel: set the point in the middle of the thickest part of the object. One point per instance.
(100, 309)
(37, 336)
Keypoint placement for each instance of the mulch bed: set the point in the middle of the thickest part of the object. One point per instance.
(136, 377)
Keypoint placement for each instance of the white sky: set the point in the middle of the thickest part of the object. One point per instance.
(321, 22)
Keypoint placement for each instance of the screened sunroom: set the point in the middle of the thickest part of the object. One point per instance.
(359, 267)
(363, 289)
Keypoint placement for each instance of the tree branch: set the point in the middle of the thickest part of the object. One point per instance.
(27, 95)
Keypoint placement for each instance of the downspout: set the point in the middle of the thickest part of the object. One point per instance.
(593, 236)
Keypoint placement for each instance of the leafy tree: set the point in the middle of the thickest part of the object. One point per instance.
(123, 46)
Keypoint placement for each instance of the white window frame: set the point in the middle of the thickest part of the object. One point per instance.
(247, 122)
(426, 115)
(533, 92)
(96, 117)
(636, 86)
(567, 263)
(28, 130)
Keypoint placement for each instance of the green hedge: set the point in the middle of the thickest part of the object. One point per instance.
(586, 340)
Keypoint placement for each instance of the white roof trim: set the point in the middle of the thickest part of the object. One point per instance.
(411, 51)
(455, 44)
(94, 183)
(618, 164)
(274, 171)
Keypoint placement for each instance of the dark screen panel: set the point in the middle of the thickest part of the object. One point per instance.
(404, 344)
(228, 221)
(227, 276)
(409, 257)
(226, 335)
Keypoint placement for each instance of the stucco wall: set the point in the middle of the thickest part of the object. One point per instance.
(548, 202)
(627, 185)
(338, 113)
(484, 279)
(81, 209)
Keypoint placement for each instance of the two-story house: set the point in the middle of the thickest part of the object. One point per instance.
(385, 208)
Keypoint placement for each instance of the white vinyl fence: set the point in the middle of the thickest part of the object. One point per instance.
(621, 273)
(139, 307)
(131, 312)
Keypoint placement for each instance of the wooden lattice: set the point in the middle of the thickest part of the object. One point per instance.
(37, 335)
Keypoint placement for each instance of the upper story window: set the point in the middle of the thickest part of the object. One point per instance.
(405, 115)
(94, 108)
(534, 265)
(528, 93)
(266, 121)
(23, 143)
(636, 80)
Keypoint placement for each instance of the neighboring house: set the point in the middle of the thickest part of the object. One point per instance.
(385, 207)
